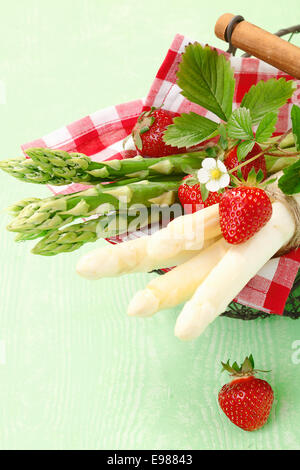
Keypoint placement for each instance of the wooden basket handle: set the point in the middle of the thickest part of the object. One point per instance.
(260, 43)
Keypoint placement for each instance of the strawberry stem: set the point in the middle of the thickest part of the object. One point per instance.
(246, 162)
(263, 152)
(283, 154)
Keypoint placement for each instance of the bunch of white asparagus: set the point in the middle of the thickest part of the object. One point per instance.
(209, 272)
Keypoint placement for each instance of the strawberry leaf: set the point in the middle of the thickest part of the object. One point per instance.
(244, 148)
(247, 366)
(239, 173)
(240, 125)
(226, 366)
(223, 137)
(289, 183)
(295, 115)
(255, 178)
(260, 176)
(251, 178)
(269, 96)
(266, 127)
(236, 367)
(271, 181)
(211, 152)
(137, 140)
(251, 360)
(206, 78)
(188, 130)
(204, 192)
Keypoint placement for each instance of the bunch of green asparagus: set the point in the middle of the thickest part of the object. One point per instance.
(124, 196)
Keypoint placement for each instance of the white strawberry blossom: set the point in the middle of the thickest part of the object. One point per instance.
(213, 174)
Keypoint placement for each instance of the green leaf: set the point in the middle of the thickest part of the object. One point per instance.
(255, 177)
(289, 183)
(295, 115)
(266, 127)
(211, 152)
(269, 96)
(271, 181)
(260, 176)
(138, 140)
(144, 129)
(251, 360)
(236, 367)
(188, 130)
(206, 78)
(227, 367)
(244, 148)
(247, 366)
(204, 192)
(223, 137)
(235, 181)
(251, 178)
(240, 125)
(239, 173)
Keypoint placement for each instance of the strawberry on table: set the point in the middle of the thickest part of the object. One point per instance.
(244, 210)
(231, 161)
(149, 130)
(246, 400)
(190, 196)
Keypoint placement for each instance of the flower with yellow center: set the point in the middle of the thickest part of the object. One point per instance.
(213, 174)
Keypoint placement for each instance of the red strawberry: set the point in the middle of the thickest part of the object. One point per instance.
(244, 210)
(149, 130)
(189, 194)
(231, 161)
(246, 400)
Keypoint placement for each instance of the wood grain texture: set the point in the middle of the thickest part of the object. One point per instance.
(79, 374)
(261, 44)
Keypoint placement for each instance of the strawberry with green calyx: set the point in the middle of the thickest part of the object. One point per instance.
(231, 161)
(148, 133)
(194, 196)
(243, 210)
(246, 400)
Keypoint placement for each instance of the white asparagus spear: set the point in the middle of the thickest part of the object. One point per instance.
(187, 232)
(177, 285)
(127, 257)
(231, 274)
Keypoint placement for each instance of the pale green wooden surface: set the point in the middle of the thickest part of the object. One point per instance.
(77, 372)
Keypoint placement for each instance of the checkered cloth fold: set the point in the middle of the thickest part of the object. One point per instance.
(100, 136)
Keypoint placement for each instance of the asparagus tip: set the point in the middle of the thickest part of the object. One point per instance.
(143, 304)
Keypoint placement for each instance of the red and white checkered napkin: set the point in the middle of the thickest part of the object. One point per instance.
(100, 136)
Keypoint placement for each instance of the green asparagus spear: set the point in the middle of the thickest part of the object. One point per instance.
(58, 167)
(26, 170)
(74, 236)
(15, 209)
(55, 212)
(68, 239)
